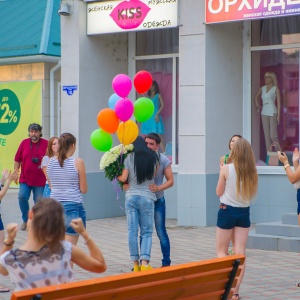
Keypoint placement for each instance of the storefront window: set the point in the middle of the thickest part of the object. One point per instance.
(274, 31)
(157, 48)
(275, 86)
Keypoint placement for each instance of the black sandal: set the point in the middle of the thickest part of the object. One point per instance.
(236, 297)
(297, 284)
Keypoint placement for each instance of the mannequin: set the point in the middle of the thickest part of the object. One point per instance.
(155, 123)
(270, 114)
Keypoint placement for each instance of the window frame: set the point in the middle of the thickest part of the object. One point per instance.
(132, 59)
(247, 97)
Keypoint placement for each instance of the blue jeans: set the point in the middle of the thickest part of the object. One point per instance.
(24, 195)
(160, 226)
(140, 212)
(73, 210)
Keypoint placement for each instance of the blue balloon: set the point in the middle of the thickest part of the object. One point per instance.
(113, 99)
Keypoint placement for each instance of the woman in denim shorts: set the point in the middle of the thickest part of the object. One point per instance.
(68, 182)
(236, 187)
(294, 177)
(52, 150)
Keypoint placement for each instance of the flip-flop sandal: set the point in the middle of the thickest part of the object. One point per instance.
(236, 297)
(297, 284)
(4, 289)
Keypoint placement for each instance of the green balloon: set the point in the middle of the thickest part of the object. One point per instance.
(143, 109)
(101, 140)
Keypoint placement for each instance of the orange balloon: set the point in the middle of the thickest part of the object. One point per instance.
(107, 120)
(127, 132)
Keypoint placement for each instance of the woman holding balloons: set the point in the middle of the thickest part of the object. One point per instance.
(139, 170)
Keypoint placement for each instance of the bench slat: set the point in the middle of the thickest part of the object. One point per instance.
(203, 280)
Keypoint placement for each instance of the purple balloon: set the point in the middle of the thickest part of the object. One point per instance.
(124, 109)
(122, 85)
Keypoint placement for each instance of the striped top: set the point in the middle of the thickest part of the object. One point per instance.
(64, 180)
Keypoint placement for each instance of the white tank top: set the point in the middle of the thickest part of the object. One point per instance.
(269, 108)
(230, 197)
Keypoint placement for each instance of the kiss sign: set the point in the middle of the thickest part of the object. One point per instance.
(131, 15)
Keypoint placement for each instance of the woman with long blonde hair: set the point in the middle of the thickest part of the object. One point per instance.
(236, 187)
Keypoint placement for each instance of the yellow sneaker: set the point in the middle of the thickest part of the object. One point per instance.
(146, 268)
(136, 268)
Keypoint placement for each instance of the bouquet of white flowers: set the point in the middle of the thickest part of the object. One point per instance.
(112, 162)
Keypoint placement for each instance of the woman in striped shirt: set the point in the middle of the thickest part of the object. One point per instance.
(68, 182)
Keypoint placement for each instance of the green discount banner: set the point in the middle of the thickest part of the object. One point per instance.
(10, 111)
(20, 105)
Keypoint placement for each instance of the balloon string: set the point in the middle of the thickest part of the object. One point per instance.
(117, 189)
(115, 182)
(123, 138)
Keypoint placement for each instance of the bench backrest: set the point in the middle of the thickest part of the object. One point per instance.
(207, 279)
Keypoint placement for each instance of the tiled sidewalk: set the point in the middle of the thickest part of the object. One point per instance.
(269, 275)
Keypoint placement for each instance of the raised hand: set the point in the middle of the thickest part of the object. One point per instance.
(78, 226)
(13, 176)
(5, 174)
(12, 230)
(296, 155)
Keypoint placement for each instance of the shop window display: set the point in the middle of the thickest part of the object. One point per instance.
(275, 85)
(161, 43)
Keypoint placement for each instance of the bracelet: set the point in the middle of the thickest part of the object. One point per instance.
(8, 245)
(286, 166)
(87, 240)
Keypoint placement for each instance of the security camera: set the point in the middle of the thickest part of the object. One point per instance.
(64, 9)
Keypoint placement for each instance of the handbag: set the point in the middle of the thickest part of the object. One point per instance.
(272, 156)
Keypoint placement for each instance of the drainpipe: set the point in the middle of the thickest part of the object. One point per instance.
(52, 97)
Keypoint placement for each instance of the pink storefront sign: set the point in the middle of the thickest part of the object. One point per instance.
(131, 15)
(218, 11)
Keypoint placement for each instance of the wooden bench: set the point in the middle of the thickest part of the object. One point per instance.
(207, 279)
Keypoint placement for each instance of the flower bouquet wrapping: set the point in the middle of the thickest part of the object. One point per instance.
(112, 162)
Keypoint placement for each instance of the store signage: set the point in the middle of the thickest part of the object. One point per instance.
(70, 89)
(131, 15)
(235, 10)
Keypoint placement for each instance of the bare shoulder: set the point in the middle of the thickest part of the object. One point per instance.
(79, 162)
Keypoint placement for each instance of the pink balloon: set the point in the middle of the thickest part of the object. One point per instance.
(124, 109)
(122, 85)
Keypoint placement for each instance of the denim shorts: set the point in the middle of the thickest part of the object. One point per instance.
(47, 191)
(72, 211)
(298, 200)
(229, 217)
(1, 224)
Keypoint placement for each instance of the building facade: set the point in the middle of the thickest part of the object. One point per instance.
(209, 71)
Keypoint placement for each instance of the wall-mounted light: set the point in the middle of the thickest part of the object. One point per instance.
(65, 9)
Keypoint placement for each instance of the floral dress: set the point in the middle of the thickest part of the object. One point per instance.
(30, 269)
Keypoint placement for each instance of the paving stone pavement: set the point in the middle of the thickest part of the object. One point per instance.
(270, 275)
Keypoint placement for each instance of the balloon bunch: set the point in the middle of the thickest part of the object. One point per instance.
(116, 118)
